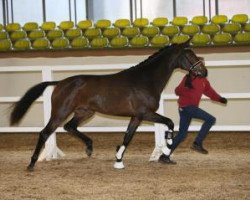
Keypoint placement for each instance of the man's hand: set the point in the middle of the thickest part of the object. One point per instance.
(223, 100)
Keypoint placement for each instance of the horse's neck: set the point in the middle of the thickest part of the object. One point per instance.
(161, 75)
(155, 75)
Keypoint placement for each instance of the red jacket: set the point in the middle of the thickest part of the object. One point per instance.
(188, 97)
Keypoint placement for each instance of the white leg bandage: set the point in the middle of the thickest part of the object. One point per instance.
(166, 150)
(169, 137)
(170, 141)
(120, 152)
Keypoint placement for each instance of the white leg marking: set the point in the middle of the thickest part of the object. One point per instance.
(170, 141)
(119, 165)
(120, 152)
(166, 150)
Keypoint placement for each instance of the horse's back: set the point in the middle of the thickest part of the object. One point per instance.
(87, 87)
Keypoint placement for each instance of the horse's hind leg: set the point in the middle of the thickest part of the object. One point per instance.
(43, 136)
(71, 127)
(133, 125)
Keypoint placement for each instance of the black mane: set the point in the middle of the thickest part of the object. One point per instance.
(154, 57)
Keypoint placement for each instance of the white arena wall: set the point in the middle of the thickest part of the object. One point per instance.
(229, 74)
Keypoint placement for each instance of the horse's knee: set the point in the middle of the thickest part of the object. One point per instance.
(170, 124)
(70, 126)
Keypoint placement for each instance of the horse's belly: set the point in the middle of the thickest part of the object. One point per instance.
(123, 104)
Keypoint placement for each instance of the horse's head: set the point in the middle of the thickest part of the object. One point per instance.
(190, 62)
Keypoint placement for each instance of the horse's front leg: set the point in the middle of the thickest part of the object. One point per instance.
(133, 125)
(166, 150)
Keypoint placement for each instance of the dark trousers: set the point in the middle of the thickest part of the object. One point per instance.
(186, 115)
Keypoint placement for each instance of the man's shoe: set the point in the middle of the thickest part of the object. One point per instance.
(199, 148)
(164, 159)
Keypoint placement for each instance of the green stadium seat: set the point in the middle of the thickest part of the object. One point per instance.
(85, 24)
(103, 23)
(119, 42)
(131, 32)
(92, 33)
(190, 29)
(30, 26)
(201, 40)
(222, 39)
(80, 42)
(160, 22)
(139, 41)
(111, 32)
(99, 42)
(179, 21)
(16, 35)
(53, 34)
(159, 41)
(41, 43)
(66, 25)
(60, 43)
(73, 33)
(5, 45)
(170, 31)
(210, 29)
(48, 26)
(22, 44)
(12, 27)
(199, 20)
(178, 39)
(150, 31)
(140, 22)
(246, 27)
(122, 23)
(4, 35)
(219, 20)
(240, 19)
(232, 28)
(35, 34)
(242, 38)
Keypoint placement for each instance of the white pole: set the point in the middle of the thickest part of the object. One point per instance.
(159, 135)
(51, 151)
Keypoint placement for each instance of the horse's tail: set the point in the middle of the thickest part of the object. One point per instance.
(21, 107)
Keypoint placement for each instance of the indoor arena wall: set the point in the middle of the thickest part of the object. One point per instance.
(225, 79)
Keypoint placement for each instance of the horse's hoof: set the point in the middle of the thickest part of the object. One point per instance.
(119, 165)
(30, 168)
(89, 151)
(164, 159)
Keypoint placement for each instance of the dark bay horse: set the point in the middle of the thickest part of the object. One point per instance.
(134, 92)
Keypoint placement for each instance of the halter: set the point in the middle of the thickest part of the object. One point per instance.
(196, 71)
(193, 66)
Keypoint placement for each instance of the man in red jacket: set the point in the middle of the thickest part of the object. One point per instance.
(190, 91)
